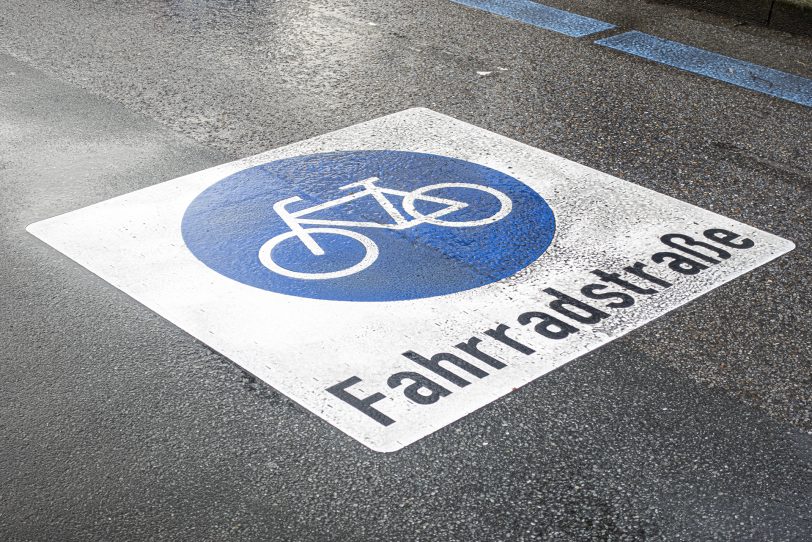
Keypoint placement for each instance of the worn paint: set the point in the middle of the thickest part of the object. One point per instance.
(786, 86)
(541, 16)
(365, 366)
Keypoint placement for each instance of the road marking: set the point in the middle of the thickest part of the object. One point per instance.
(394, 291)
(776, 83)
(541, 16)
(786, 86)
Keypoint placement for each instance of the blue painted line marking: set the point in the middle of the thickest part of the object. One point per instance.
(793, 88)
(541, 16)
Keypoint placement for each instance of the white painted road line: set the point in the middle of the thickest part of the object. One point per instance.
(396, 275)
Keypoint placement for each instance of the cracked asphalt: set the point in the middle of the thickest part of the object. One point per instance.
(115, 425)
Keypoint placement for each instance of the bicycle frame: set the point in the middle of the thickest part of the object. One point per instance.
(294, 221)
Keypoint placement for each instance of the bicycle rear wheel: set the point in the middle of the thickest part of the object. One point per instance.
(370, 255)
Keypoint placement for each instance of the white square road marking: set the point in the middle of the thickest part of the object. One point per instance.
(396, 275)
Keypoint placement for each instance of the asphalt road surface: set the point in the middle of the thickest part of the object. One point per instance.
(116, 425)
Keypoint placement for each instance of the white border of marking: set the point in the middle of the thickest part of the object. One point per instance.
(303, 346)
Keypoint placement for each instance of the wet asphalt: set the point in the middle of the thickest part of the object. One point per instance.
(115, 425)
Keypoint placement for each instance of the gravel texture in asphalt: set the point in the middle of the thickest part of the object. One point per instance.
(116, 425)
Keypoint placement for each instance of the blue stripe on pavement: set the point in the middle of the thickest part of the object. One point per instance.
(730, 70)
(545, 17)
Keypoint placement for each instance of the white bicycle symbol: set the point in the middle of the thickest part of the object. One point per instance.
(295, 222)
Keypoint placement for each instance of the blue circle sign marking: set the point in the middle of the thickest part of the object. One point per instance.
(368, 226)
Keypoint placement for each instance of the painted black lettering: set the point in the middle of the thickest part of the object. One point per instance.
(471, 347)
(433, 365)
(637, 270)
(679, 263)
(614, 278)
(672, 238)
(365, 404)
(587, 314)
(419, 382)
(727, 238)
(623, 300)
(548, 326)
(499, 335)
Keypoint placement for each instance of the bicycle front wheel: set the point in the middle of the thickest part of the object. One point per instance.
(505, 205)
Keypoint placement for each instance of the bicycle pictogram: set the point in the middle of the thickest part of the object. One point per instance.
(300, 225)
